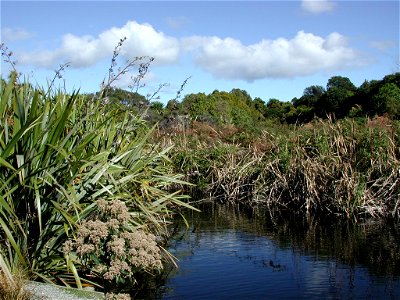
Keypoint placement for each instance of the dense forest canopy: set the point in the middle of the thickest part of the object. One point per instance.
(339, 99)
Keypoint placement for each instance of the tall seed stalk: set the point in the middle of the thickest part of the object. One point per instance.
(58, 154)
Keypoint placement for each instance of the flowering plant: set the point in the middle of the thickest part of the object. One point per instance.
(109, 248)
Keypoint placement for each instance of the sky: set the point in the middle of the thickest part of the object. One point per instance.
(271, 49)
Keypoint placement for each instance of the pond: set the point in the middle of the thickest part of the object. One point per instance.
(228, 253)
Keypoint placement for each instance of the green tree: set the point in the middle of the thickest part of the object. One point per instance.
(131, 100)
(242, 95)
(157, 107)
(259, 105)
(387, 100)
(337, 99)
(300, 114)
(173, 107)
(310, 96)
(277, 109)
(363, 98)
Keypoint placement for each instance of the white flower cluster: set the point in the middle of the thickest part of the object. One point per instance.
(105, 246)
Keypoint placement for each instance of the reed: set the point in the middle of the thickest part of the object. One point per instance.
(338, 168)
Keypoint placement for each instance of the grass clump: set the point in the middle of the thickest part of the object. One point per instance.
(341, 168)
(59, 154)
(12, 286)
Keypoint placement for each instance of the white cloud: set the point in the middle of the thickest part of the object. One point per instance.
(46, 59)
(302, 55)
(305, 54)
(126, 81)
(317, 6)
(10, 34)
(83, 51)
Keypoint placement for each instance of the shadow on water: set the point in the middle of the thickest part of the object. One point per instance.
(254, 254)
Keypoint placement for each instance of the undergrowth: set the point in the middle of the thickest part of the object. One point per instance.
(341, 168)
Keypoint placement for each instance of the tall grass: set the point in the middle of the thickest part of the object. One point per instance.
(341, 168)
(14, 289)
(60, 153)
(337, 168)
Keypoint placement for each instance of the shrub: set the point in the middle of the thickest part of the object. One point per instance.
(60, 153)
(111, 248)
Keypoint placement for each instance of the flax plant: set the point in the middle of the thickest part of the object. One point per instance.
(59, 153)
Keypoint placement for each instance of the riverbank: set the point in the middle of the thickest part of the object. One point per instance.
(344, 168)
(42, 291)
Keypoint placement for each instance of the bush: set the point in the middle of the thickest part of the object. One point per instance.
(109, 246)
(59, 154)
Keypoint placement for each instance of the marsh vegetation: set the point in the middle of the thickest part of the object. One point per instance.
(87, 178)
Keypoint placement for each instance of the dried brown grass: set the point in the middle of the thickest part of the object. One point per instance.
(340, 168)
(13, 288)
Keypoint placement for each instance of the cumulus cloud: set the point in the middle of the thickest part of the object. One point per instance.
(45, 58)
(317, 6)
(125, 81)
(10, 34)
(229, 58)
(305, 54)
(84, 51)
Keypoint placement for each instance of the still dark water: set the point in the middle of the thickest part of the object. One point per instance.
(232, 254)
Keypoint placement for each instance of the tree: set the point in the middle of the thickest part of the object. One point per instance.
(310, 96)
(387, 100)
(128, 99)
(172, 107)
(336, 100)
(157, 107)
(277, 109)
(199, 106)
(392, 78)
(259, 105)
(300, 114)
(242, 95)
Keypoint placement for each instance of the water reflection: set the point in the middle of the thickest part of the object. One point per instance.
(237, 254)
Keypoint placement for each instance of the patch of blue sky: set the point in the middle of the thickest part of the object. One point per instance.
(272, 49)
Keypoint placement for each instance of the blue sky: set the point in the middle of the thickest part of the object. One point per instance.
(271, 49)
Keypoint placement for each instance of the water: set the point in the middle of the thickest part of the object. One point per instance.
(230, 254)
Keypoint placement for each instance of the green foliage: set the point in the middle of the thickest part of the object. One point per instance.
(110, 247)
(126, 98)
(222, 108)
(387, 100)
(339, 91)
(340, 99)
(59, 153)
(310, 96)
(299, 115)
(343, 168)
(277, 109)
(259, 105)
(157, 107)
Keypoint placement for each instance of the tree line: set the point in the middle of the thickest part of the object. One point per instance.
(339, 99)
